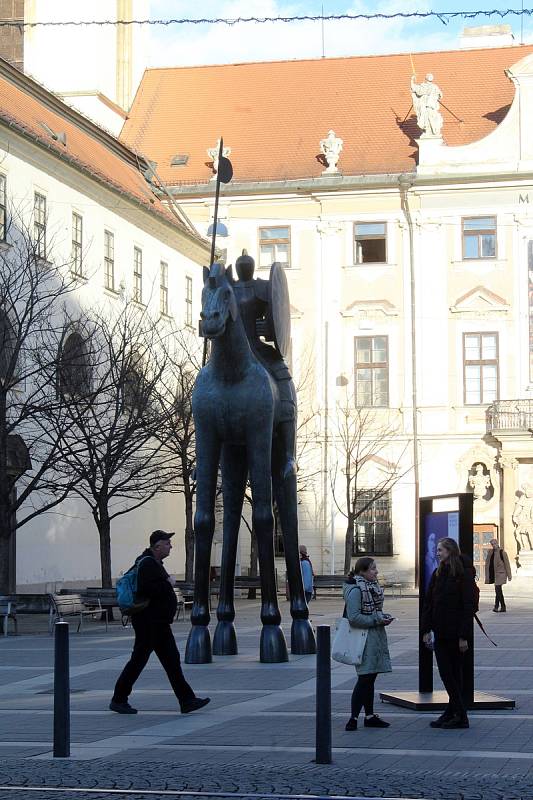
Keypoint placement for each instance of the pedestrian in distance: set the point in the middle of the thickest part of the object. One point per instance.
(364, 608)
(498, 572)
(153, 633)
(307, 573)
(447, 619)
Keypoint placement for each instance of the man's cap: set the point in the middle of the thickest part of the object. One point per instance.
(160, 536)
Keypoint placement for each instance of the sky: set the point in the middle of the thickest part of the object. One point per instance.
(208, 44)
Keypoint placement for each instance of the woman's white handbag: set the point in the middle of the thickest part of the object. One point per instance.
(348, 643)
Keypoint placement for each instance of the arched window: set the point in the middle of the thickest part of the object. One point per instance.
(7, 347)
(74, 372)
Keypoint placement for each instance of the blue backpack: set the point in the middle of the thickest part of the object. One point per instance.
(127, 590)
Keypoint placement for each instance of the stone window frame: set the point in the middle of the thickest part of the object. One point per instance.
(137, 275)
(39, 223)
(372, 365)
(109, 260)
(481, 362)
(478, 233)
(77, 244)
(163, 288)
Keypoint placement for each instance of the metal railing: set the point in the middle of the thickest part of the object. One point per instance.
(510, 415)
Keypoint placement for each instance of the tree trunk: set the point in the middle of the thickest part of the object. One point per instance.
(5, 578)
(348, 544)
(252, 593)
(189, 536)
(104, 531)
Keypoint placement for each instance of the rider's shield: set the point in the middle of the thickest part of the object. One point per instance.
(279, 309)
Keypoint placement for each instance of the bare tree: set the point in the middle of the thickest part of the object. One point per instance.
(184, 353)
(368, 462)
(33, 293)
(112, 443)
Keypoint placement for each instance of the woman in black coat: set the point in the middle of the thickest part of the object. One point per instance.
(447, 616)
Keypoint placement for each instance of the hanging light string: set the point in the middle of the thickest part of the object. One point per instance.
(443, 16)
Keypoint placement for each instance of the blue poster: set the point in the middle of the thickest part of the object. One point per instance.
(438, 525)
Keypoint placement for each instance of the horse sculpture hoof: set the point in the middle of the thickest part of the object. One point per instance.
(302, 638)
(273, 647)
(225, 639)
(198, 650)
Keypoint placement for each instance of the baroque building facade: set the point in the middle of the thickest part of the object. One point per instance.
(407, 242)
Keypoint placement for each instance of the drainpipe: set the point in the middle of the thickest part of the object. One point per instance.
(405, 183)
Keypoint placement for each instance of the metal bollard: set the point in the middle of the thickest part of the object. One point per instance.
(323, 696)
(61, 692)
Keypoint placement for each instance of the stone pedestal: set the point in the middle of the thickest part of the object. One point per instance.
(525, 559)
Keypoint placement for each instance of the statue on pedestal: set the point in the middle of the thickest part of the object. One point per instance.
(331, 147)
(479, 482)
(214, 154)
(523, 518)
(426, 99)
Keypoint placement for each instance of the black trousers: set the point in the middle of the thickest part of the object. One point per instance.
(153, 637)
(449, 662)
(363, 694)
(500, 599)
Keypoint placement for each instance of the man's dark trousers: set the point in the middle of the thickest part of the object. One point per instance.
(157, 637)
(449, 662)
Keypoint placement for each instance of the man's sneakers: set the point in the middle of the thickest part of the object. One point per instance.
(456, 722)
(351, 725)
(376, 722)
(122, 708)
(194, 704)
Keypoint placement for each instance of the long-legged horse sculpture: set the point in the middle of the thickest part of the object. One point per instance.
(236, 408)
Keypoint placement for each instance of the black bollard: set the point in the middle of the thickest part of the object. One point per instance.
(323, 696)
(61, 692)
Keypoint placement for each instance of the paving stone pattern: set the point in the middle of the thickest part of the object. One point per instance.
(257, 736)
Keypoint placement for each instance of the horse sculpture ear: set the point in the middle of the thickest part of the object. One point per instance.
(206, 274)
(233, 308)
(229, 274)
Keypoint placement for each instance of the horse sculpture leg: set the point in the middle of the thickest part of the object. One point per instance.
(234, 473)
(198, 649)
(302, 635)
(273, 648)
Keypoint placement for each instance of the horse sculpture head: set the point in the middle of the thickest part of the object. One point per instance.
(218, 301)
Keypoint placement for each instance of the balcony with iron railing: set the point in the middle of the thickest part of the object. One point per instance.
(510, 416)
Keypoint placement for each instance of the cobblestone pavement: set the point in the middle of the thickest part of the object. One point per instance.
(257, 735)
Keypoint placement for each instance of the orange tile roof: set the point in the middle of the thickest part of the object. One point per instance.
(25, 105)
(274, 114)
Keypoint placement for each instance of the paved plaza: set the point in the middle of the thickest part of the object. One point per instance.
(258, 733)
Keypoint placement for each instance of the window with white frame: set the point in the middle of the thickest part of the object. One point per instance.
(109, 260)
(370, 243)
(188, 300)
(137, 274)
(479, 237)
(274, 245)
(3, 208)
(39, 224)
(480, 368)
(371, 371)
(77, 244)
(373, 524)
(163, 288)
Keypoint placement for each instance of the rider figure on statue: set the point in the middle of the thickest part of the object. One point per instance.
(254, 298)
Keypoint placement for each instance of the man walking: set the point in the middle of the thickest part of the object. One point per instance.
(498, 572)
(307, 573)
(153, 632)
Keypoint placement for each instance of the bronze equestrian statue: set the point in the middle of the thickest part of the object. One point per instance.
(244, 407)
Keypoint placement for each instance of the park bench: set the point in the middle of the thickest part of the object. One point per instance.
(72, 605)
(335, 583)
(8, 611)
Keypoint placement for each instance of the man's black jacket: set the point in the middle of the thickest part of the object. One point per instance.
(153, 584)
(449, 603)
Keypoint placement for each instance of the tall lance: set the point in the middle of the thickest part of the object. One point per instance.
(224, 175)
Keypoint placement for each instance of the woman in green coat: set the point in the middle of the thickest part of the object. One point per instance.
(364, 608)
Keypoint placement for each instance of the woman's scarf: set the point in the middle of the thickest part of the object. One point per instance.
(371, 595)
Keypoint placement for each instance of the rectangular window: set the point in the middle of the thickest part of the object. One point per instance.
(39, 224)
(479, 237)
(137, 275)
(3, 202)
(274, 245)
(480, 366)
(371, 371)
(109, 260)
(373, 525)
(370, 243)
(188, 301)
(163, 288)
(77, 244)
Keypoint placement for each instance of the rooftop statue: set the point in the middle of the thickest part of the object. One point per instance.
(426, 99)
(330, 148)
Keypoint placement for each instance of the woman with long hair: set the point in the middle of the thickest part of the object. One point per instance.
(446, 625)
(364, 608)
